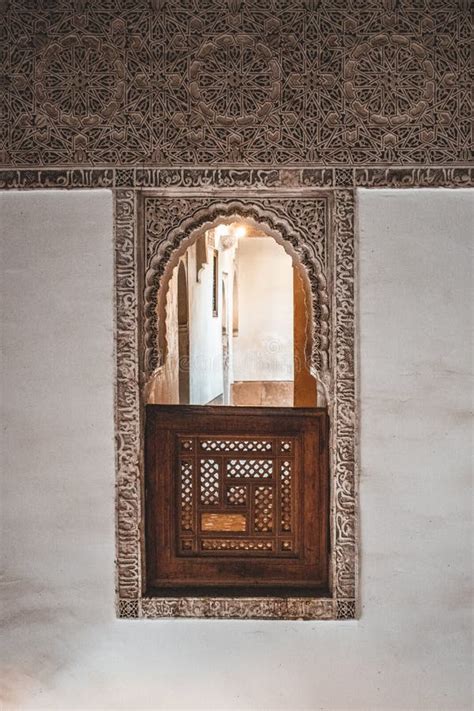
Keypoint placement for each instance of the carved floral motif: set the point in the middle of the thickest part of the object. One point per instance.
(389, 81)
(234, 80)
(79, 81)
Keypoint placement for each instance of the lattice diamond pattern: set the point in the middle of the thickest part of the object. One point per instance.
(236, 495)
(236, 445)
(186, 445)
(186, 496)
(250, 468)
(209, 482)
(262, 499)
(285, 495)
(236, 545)
(264, 509)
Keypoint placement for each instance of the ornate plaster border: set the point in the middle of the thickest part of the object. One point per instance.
(424, 176)
(130, 268)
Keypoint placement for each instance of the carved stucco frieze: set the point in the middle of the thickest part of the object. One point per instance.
(280, 82)
(236, 608)
(344, 403)
(250, 178)
(127, 399)
(240, 608)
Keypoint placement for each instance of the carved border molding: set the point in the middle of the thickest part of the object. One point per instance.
(127, 400)
(336, 260)
(461, 176)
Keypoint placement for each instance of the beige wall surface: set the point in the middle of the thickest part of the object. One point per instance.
(62, 647)
(263, 349)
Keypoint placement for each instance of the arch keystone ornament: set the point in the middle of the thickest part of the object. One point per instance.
(316, 227)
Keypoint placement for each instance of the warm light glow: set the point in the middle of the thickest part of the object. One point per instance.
(240, 231)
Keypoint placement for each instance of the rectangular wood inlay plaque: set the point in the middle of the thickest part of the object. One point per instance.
(223, 522)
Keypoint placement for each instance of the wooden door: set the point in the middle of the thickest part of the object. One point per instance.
(237, 500)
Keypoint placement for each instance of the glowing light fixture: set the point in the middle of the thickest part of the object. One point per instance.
(240, 231)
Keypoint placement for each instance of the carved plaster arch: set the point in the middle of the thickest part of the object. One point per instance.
(275, 224)
(326, 220)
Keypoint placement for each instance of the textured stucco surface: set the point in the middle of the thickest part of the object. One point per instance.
(63, 648)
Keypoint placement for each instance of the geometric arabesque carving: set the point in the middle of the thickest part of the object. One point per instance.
(234, 82)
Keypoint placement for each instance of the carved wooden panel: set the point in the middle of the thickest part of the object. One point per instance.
(273, 82)
(264, 499)
(217, 521)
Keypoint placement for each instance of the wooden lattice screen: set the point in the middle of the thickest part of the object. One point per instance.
(237, 498)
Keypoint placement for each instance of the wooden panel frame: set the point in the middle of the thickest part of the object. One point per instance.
(173, 434)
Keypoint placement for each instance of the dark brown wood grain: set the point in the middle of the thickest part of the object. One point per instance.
(263, 558)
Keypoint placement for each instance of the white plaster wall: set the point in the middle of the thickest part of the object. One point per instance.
(205, 330)
(62, 647)
(263, 349)
(205, 336)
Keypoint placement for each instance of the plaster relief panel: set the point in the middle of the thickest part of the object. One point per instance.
(288, 82)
